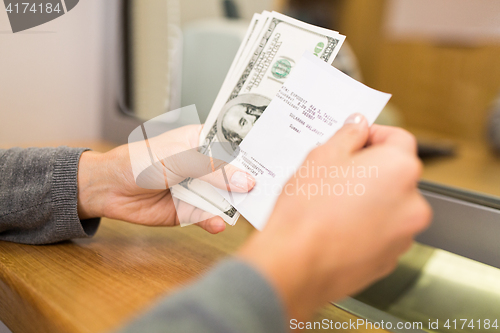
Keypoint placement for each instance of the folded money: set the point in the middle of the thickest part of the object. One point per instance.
(270, 51)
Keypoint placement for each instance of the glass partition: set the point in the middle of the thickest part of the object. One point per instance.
(435, 286)
(440, 60)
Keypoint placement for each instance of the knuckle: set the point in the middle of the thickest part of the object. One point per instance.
(426, 214)
(423, 215)
(219, 164)
(393, 156)
(407, 138)
(318, 154)
(420, 168)
(409, 165)
(415, 168)
(351, 130)
(410, 139)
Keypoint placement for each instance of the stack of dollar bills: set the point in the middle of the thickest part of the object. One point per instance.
(273, 44)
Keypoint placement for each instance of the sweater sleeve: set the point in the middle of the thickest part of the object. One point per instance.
(38, 196)
(232, 298)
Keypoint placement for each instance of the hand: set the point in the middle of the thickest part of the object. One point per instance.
(322, 245)
(107, 188)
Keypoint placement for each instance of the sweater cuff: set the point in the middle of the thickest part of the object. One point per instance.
(65, 196)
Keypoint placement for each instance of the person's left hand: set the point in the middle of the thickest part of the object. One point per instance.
(107, 188)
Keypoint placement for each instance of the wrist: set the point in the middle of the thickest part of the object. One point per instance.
(92, 185)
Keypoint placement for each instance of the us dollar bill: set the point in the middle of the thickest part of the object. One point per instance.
(261, 67)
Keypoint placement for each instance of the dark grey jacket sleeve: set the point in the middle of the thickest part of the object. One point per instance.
(38, 196)
(233, 297)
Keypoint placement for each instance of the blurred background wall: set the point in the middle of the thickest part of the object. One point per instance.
(441, 85)
(53, 77)
(200, 9)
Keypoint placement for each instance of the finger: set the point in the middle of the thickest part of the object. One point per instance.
(230, 178)
(193, 164)
(183, 213)
(187, 214)
(394, 136)
(412, 217)
(352, 136)
(420, 214)
(213, 225)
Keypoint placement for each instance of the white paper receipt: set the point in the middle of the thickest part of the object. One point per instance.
(310, 107)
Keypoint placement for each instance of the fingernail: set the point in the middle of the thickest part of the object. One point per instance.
(355, 118)
(242, 180)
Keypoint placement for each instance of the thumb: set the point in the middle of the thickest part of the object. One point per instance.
(193, 164)
(352, 136)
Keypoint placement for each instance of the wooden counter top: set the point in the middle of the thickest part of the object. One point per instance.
(98, 284)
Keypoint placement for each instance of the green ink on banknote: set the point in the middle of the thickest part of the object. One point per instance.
(281, 68)
(319, 48)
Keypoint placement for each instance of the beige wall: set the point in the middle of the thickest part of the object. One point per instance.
(199, 9)
(157, 48)
(440, 87)
(51, 78)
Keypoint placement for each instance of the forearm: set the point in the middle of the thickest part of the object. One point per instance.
(234, 297)
(38, 196)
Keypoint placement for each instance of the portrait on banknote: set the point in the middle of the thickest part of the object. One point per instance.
(238, 116)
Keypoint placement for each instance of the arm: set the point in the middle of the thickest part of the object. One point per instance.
(316, 247)
(38, 196)
(342, 243)
(233, 297)
(53, 194)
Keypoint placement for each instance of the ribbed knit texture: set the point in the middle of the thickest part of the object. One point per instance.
(38, 196)
(38, 205)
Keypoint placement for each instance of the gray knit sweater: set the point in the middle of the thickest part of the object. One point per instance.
(38, 196)
(38, 205)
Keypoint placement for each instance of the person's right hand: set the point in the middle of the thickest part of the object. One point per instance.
(321, 246)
